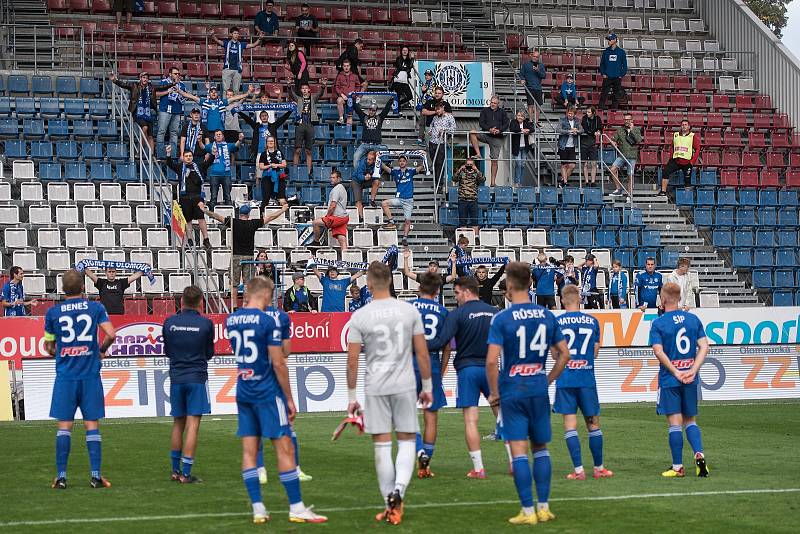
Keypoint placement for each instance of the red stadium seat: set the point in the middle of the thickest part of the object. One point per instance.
(143, 49)
(79, 6)
(640, 100)
(175, 31)
(187, 51)
(751, 159)
(748, 179)
(57, 5)
(189, 10)
(514, 42)
(731, 159)
(656, 119)
(738, 121)
(209, 11)
(372, 37)
(153, 68)
(292, 12)
(704, 83)
(380, 16)
(732, 139)
(215, 70)
(231, 11)
(698, 101)
(163, 306)
(401, 16)
(711, 159)
(649, 158)
(149, 8)
(678, 101)
(715, 121)
(770, 179)
(339, 14)
(721, 102)
(651, 137)
(127, 68)
(167, 9)
(661, 83)
(775, 160)
(781, 140)
(249, 11)
(794, 160)
(729, 178)
(793, 179)
(757, 140)
(681, 83)
(135, 306)
(712, 138)
(320, 13)
(197, 70)
(349, 36)
(674, 119)
(153, 29)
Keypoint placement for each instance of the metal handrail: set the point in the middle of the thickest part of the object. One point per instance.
(603, 164)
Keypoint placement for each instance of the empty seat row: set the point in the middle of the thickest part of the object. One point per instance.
(55, 129)
(43, 85)
(69, 107)
(770, 217)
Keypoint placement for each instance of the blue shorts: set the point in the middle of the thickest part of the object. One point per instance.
(188, 399)
(680, 399)
(439, 399)
(69, 395)
(526, 418)
(268, 419)
(568, 400)
(498, 429)
(472, 382)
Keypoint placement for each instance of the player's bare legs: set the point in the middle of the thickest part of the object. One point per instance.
(393, 477)
(473, 439)
(192, 426)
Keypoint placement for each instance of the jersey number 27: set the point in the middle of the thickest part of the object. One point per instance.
(571, 338)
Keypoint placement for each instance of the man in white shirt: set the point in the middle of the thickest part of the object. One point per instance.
(688, 286)
(336, 219)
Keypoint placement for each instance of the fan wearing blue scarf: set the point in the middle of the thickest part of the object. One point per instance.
(220, 171)
(142, 101)
(213, 108)
(592, 298)
(272, 164)
(618, 286)
(233, 58)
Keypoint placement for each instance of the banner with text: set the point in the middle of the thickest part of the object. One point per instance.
(466, 84)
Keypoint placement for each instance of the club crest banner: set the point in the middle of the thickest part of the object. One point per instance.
(466, 84)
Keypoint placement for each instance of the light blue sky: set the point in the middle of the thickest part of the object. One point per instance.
(791, 34)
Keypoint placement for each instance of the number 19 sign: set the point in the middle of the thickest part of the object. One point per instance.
(466, 84)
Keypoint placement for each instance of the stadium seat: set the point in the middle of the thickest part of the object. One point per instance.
(783, 297)
(18, 84)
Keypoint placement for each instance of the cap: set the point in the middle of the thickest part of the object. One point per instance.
(297, 276)
(195, 110)
(213, 88)
(332, 268)
(611, 37)
(590, 257)
(373, 106)
(244, 209)
(434, 262)
(428, 71)
(569, 76)
(402, 156)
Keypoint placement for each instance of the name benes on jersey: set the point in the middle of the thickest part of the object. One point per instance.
(74, 306)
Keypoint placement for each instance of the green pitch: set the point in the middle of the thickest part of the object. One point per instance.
(752, 451)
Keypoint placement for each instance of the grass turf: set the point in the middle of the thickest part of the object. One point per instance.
(749, 447)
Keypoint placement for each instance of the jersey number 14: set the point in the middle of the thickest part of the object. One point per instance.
(538, 343)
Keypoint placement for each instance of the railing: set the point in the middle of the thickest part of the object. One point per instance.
(65, 44)
(604, 165)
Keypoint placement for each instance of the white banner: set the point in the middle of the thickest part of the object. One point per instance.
(139, 387)
(466, 84)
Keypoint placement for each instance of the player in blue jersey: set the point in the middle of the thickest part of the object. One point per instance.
(576, 387)
(679, 342)
(70, 334)
(264, 399)
(647, 284)
(189, 344)
(544, 277)
(520, 339)
(433, 317)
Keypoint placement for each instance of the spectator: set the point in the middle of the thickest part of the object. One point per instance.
(401, 79)
(569, 131)
(272, 165)
(355, 298)
(365, 176)
(426, 94)
(685, 151)
(493, 122)
(232, 127)
(568, 275)
(351, 53)
(592, 297)
(544, 278)
(307, 118)
(532, 73)
(142, 104)
(613, 67)
(443, 123)
(266, 22)
(219, 174)
(296, 61)
(123, 6)
(618, 286)
(521, 128)
(244, 236)
(647, 285)
(404, 179)
(263, 129)
(12, 296)
(592, 126)
(261, 268)
(213, 108)
(371, 135)
(170, 110)
(688, 286)
(568, 96)
(233, 58)
(190, 186)
(112, 290)
(429, 109)
(346, 82)
(307, 26)
(459, 252)
(334, 288)
(468, 178)
(192, 136)
(336, 218)
(433, 268)
(298, 298)
(626, 140)
(486, 284)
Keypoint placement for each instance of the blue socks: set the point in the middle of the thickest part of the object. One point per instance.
(694, 437)
(291, 483)
(574, 447)
(250, 477)
(63, 443)
(260, 455)
(596, 446)
(676, 444)
(428, 448)
(94, 446)
(296, 451)
(175, 456)
(188, 462)
(523, 480)
(542, 472)
(420, 449)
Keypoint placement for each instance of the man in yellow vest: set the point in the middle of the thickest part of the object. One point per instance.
(685, 150)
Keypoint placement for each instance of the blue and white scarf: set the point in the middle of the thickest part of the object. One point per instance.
(276, 106)
(144, 109)
(483, 261)
(230, 45)
(380, 155)
(223, 154)
(391, 94)
(144, 268)
(185, 172)
(192, 134)
(389, 258)
(589, 277)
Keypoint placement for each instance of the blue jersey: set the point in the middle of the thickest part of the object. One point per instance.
(172, 102)
(677, 331)
(404, 178)
(433, 317)
(12, 293)
(189, 344)
(646, 286)
(73, 325)
(469, 324)
(212, 113)
(251, 333)
(544, 276)
(582, 332)
(333, 292)
(525, 332)
(283, 321)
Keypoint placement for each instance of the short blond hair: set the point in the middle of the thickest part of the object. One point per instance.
(570, 295)
(671, 292)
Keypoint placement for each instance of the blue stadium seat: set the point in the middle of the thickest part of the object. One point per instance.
(90, 87)
(452, 194)
(484, 196)
(311, 195)
(504, 195)
(9, 128)
(783, 297)
(299, 173)
(565, 217)
(322, 173)
(624, 255)
(98, 108)
(107, 130)
(100, 171)
(745, 217)
(765, 237)
(347, 173)
(243, 153)
(483, 219)
(543, 217)
(705, 197)
(787, 217)
(787, 238)
(702, 217)
(57, 129)
(41, 150)
(559, 238)
(126, 172)
(724, 217)
(768, 216)
(5, 106)
(75, 170)
(91, 150)
(172, 177)
(642, 254)
(669, 258)
(628, 238)
(588, 217)
(49, 171)
(49, 108)
(341, 132)
(605, 238)
(651, 238)
(762, 278)
(709, 177)
(83, 129)
(684, 196)
(742, 258)
(743, 238)
(763, 257)
(448, 216)
(18, 84)
(748, 197)
(768, 197)
(16, 149)
(722, 238)
(498, 216)
(592, 196)
(526, 196)
(784, 278)
(74, 108)
(787, 198)
(548, 196)
(583, 238)
(334, 153)
(42, 85)
(33, 129)
(571, 196)
(248, 174)
(26, 107)
(66, 86)
(611, 217)
(633, 217)
(785, 257)
(66, 150)
(2, 84)
(117, 151)
(726, 197)
(520, 217)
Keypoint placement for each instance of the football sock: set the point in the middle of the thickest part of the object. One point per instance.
(296, 451)
(250, 477)
(404, 465)
(384, 467)
(258, 508)
(63, 442)
(574, 447)
(542, 471)
(477, 460)
(420, 447)
(596, 446)
(260, 455)
(676, 445)
(94, 446)
(428, 448)
(694, 437)
(523, 480)
(188, 462)
(291, 483)
(176, 460)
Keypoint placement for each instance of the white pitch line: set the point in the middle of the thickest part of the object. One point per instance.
(367, 508)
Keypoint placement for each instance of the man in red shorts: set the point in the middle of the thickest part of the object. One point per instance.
(336, 219)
